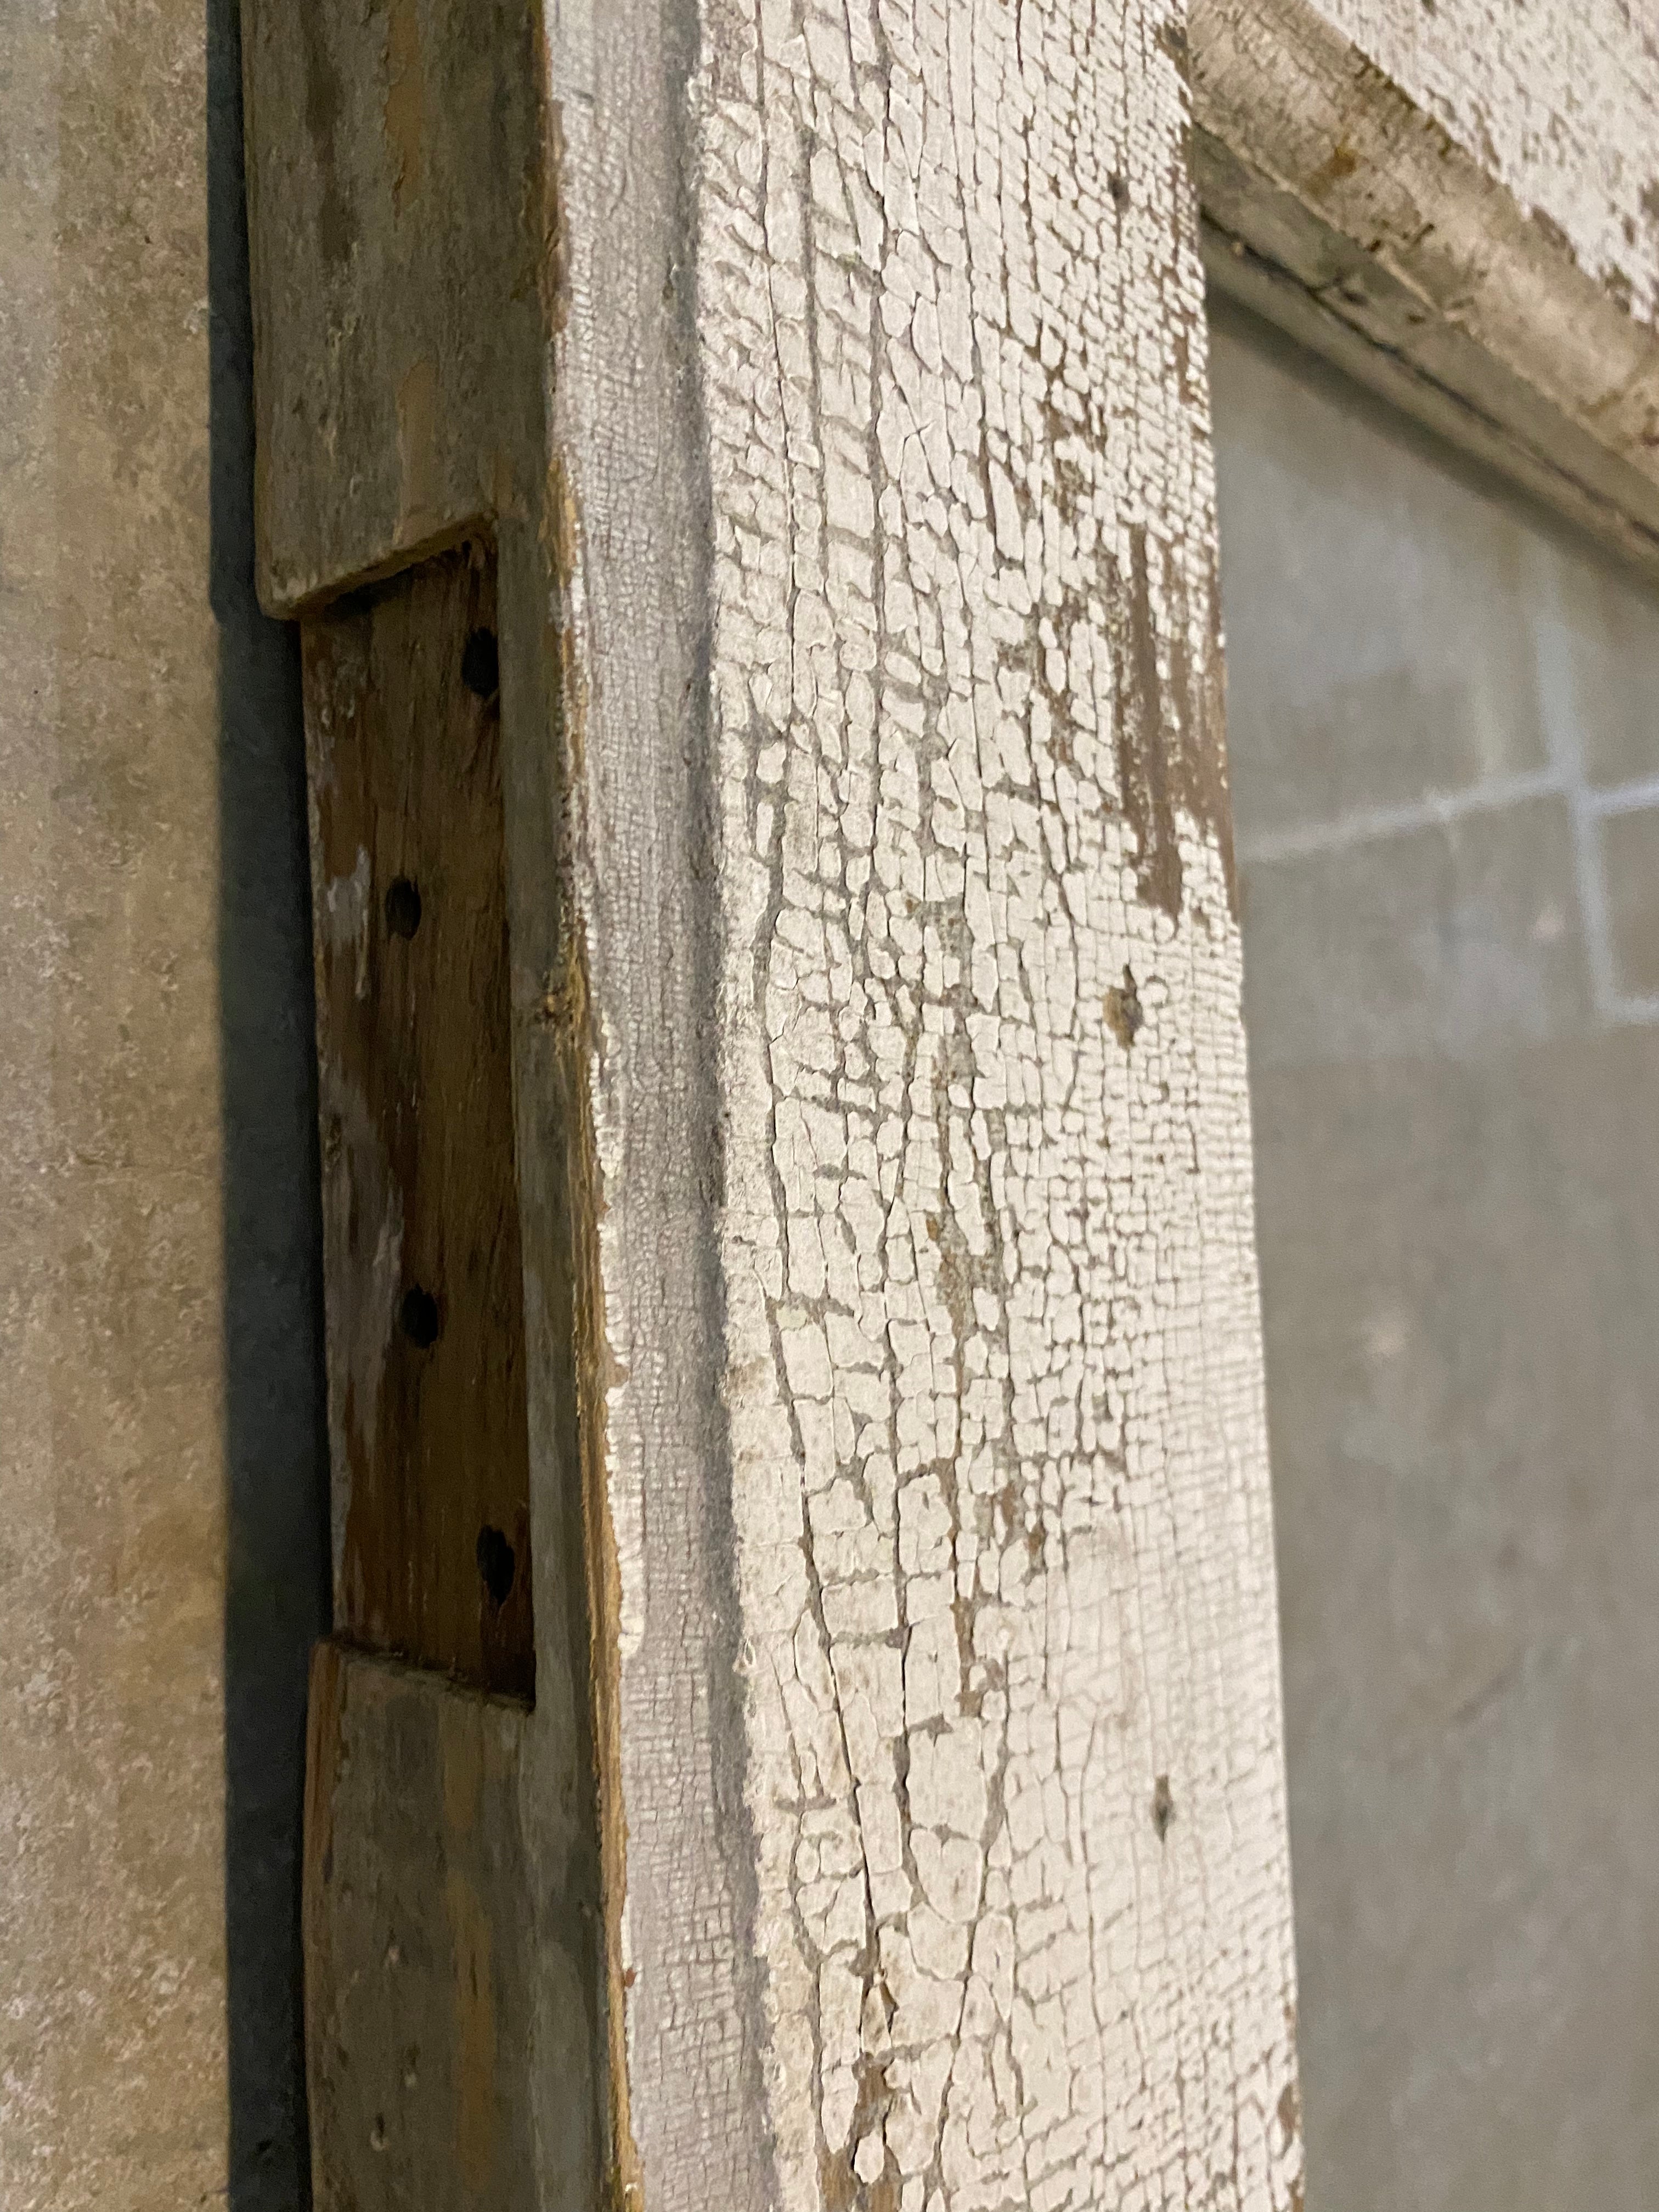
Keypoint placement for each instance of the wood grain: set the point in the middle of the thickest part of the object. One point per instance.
(424, 1288)
(420, 2010)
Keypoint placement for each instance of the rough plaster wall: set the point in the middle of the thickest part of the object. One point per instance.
(1560, 101)
(157, 1347)
(1011, 1720)
(112, 2083)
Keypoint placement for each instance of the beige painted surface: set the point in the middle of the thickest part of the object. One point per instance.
(1443, 721)
(112, 2081)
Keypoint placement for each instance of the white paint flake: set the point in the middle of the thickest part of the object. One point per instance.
(1558, 102)
(993, 1358)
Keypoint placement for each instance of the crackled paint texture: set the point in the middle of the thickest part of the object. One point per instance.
(974, 1891)
(1559, 103)
(993, 1364)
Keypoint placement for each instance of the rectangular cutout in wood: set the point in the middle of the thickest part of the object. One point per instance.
(427, 1413)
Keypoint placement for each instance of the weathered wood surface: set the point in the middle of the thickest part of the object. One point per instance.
(974, 1893)
(1350, 214)
(909, 1321)
(1557, 102)
(403, 253)
(396, 237)
(423, 1279)
(420, 2043)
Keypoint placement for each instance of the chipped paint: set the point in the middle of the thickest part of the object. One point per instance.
(878, 479)
(998, 1484)
(1358, 220)
(1558, 103)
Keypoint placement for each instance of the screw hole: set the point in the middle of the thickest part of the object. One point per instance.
(481, 664)
(497, 1564)
(1163, 1807)
(403, 908)
(417, 1317)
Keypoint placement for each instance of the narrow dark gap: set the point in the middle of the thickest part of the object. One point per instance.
(276, 1600)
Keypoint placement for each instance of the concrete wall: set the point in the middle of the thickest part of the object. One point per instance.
(1445, 743)
(161, 1539)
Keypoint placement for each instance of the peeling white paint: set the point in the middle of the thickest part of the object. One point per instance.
(346, 917)
(1000, 1486)
(1559, 103)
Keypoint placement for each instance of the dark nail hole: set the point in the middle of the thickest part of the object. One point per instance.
(1124, 1015)
(403, 908)
(497, 1564)
(481, 664)
(1163, 1807)
(417, 1317)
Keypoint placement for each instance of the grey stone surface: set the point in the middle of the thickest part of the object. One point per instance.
(1437, 942)
(1458, 1220)
(1610, 644)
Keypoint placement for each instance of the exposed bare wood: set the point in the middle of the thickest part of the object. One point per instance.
(396, 236)
(404, 271)
(424, 1282)
(420, 2008)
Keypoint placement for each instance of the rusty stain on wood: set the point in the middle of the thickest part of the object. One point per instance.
(426, 1341)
